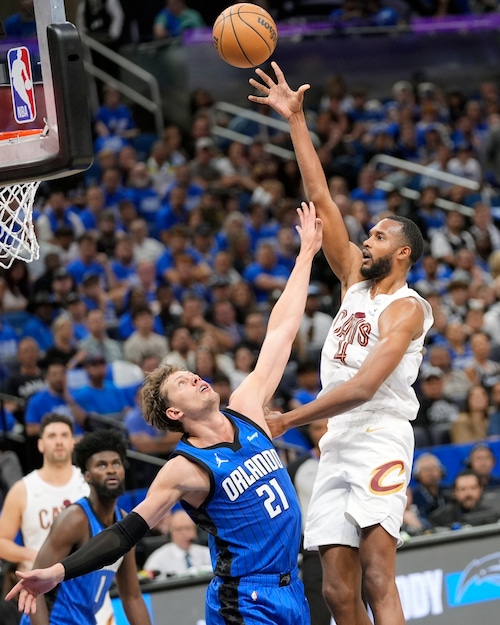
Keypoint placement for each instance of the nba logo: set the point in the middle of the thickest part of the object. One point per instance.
(21, 85)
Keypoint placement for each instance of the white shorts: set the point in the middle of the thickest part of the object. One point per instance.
(364, 470)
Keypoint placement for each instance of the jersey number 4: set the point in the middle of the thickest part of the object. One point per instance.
(272, 492)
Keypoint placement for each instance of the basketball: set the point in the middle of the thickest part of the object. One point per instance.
(28, 84)
(244, 35)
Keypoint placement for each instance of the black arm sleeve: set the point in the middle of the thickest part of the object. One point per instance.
(106, 547)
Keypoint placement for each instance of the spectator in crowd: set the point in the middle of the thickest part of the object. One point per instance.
(266, 274)
(203, 166)
(54, 398)
(481, 369)
(145, 247)
(494, 426)
(175, 18)
(98, 342)
(427, 490)
(472, 423)
(457, 343)
(57, 212)
(42, 310)
(482, 461)
(182, 346)
(64, 349)
(15, 288)
(77, 311)
(308, 383)
(135, 298)
(456, 383)
(464, 164)
(22, 22)
(144, 196)
(315, 323)
(144, 340)
(432, 276)
(436, 414)
(114, 123)
(93, 206)
(88, 261)
(96, 297)
(26, 379)
(446, 242)
(100, 396)
(485, 232)
(467, 506)
(456, 300)
(229, 331)
(182, 554)
(168, 308)
(61, 286)
(9, 340)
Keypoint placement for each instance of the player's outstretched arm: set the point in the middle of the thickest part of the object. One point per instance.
(344, 257)
(399, 324)
(257, 389)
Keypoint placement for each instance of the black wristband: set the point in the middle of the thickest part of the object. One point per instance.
(106, 547)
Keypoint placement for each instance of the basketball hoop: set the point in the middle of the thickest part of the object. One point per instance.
(17, 231)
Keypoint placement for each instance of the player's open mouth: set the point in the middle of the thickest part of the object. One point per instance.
(204, 387)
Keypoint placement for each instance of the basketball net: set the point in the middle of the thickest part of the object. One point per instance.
(17, 232)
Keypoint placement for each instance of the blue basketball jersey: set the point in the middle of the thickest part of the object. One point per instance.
(252, 514)
(76, 601)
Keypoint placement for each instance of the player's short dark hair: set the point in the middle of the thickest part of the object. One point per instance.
(411, 235)
(55, 417)
(95, 442)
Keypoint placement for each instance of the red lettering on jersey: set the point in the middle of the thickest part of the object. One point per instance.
(355, 328)
(46, 517)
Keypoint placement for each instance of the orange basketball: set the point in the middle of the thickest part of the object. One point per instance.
(244, 35)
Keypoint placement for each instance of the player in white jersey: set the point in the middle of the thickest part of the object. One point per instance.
(33, 502)
(369, 362)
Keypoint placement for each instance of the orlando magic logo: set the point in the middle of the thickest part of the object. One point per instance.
(218, 460)
(21, 85)
(478, 572)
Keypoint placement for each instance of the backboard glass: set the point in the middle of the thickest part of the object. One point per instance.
(42, 86)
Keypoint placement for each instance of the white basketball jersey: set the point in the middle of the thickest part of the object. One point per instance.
(354, 332)
(44, 502)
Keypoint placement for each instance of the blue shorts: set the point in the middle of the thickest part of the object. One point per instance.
(257, 600)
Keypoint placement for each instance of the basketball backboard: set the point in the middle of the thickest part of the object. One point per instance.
(42, 88)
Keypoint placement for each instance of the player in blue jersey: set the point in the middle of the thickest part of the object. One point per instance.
(227, 476)
(101, 457)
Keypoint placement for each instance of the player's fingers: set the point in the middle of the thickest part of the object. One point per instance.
(264, 77)
(258, 85)
(13, 591)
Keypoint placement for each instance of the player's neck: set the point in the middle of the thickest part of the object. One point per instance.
(386, 286)
(104, 509)
(56, 474)
(215, 429)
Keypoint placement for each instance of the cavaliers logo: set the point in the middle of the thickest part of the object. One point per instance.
(379, 474)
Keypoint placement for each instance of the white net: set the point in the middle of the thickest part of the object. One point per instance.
(17, 232)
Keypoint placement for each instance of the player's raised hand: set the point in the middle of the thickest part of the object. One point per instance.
(34, 583)
(277, 94)
(310, 229)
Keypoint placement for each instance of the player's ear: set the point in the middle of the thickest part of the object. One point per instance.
(405, 252)
(174, 413)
